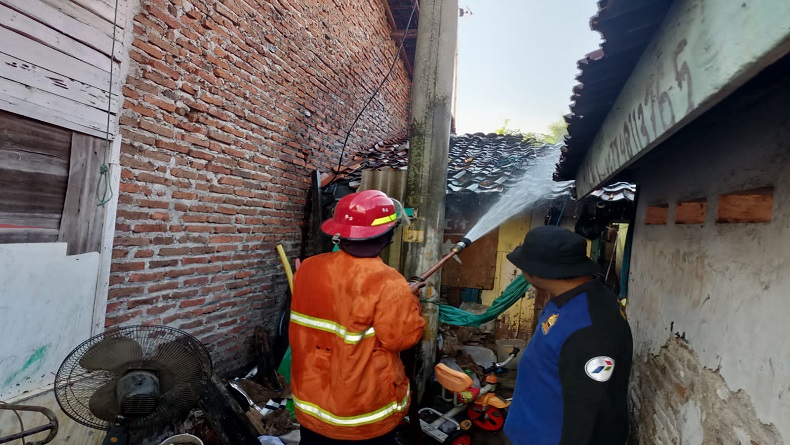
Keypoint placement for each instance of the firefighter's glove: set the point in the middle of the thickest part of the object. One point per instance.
(416, 287)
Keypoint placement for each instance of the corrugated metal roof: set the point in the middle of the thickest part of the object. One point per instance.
(616, 192)
(478, 163)
(627, 26)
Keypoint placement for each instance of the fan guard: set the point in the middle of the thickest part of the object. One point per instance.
(86, 381)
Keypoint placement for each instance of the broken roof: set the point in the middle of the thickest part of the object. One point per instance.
(627, 27)
(398, 12)
(478, 163)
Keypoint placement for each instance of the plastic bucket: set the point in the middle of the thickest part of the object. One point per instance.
(505, 347)
(182, 438)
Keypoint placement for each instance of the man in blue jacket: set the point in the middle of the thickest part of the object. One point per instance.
(572, 382)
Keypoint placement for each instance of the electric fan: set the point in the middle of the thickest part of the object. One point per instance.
(132, 378)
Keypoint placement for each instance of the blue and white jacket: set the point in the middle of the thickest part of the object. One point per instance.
(572, 382)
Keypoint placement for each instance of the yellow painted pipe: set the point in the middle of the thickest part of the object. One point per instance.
(288, 271)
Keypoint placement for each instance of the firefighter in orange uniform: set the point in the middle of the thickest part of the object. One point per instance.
(350, 317)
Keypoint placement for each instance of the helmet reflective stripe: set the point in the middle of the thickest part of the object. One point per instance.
(362, 419)
(384, 220)
(330, 326)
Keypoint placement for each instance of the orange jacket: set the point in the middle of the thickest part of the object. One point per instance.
(349, 319)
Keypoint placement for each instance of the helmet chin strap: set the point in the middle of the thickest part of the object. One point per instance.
(368, 248)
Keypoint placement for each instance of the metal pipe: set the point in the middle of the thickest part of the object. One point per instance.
(52, 426)
(455, 250)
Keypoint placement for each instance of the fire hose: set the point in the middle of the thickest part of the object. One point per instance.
(455, 250)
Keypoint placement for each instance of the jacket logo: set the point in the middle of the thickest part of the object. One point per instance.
(600, 368)
(546, 325)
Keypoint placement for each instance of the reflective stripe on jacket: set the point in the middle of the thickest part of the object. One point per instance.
(349, 319)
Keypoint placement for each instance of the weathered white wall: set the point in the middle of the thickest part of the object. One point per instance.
(703, 51)
(721, 289)
(46, 305)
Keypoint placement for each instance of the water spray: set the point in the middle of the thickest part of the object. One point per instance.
(534, 189)
(455, 250)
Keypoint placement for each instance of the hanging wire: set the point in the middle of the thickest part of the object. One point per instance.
(564, 204)
(104, 192)
(378, 88)
(611, 259)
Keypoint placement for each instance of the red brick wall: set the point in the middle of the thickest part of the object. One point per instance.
(228, 105)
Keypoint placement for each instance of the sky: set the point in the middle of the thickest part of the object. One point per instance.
(517, 61)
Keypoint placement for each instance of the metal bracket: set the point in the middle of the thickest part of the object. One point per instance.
(52, 426)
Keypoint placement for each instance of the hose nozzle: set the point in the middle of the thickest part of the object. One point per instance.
(455, 250)
(461, 245)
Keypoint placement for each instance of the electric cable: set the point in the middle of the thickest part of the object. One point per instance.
(105, 194)
(378, 88)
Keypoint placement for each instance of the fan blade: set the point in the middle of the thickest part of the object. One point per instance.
(173, 404)
(181, 398)
(178, 365)
(104, 402)
(111, 353)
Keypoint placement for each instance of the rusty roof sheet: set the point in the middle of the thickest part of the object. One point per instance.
(478, 163)
(627, 26)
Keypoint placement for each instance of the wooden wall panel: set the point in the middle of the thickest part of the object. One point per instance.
(82, 221)
(657, 215)
(748, 206)
(691, 212)
(55, 61)
(34, 168)
(37, 137)
(478, 264)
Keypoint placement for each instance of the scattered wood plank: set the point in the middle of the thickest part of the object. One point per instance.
(227, 419)
(256, 420)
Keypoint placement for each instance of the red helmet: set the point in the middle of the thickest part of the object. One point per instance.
(361, 216)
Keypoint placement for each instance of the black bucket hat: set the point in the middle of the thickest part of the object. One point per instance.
(553, 252)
